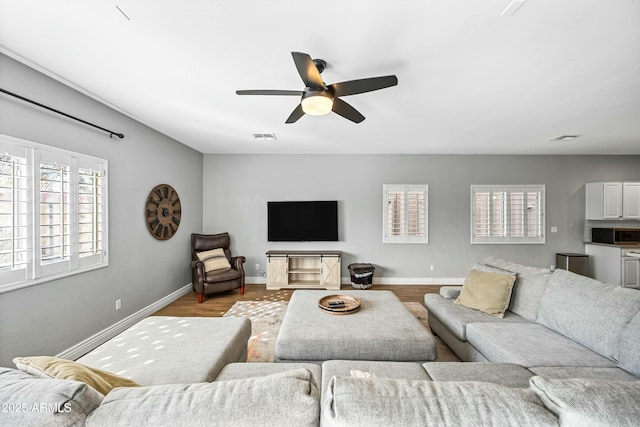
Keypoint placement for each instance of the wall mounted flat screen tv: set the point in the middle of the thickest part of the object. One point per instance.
(304, 221)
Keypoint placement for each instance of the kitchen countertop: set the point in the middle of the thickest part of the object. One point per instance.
(625, 246)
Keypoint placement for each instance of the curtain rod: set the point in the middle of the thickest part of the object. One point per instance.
(111, 133)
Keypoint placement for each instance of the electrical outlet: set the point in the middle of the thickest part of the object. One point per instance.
(257, 267)
(118, 304)
(432, 267)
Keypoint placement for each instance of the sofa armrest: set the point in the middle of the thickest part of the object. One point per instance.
(450, 292)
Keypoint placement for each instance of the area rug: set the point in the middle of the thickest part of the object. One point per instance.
(266, 318)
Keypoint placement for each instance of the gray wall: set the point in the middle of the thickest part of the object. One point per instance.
(48, 318)
(237, 188)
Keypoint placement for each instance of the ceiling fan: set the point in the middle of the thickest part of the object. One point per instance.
(317, 98)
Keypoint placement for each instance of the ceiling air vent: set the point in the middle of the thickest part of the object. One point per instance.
(564, 137)
(265, 137)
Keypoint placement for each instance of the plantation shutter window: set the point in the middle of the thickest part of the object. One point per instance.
(53, 213)
(91, 212)
(405, 209)
(507, 214)
(15, 215)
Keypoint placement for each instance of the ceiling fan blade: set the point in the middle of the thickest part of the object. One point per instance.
(307, 70)
(353, 87)
(296, 114)
(347, 111)
(270, 92)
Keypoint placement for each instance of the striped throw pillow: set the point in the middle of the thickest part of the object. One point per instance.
(214, 260)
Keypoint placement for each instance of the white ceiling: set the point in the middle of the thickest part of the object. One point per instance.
(470, 80)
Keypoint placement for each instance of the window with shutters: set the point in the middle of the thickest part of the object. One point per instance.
(53, 208)
(91, 203)
(14, 214)
(507, 214)
(405, 213)
(55, 212)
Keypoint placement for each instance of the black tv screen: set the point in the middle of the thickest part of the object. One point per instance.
(313, 221)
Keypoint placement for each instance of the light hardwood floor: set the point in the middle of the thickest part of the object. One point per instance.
(216, 305)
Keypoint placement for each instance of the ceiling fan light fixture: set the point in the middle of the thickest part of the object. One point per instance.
(318, 98)
(317, 103)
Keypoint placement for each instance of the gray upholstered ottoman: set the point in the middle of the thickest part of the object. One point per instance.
(173, 350)
(383, 329)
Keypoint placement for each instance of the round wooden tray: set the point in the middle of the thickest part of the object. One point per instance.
(351, 304)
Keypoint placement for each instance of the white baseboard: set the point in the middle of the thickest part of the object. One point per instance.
(413, 280)
(106, 334)
(384, 280)
(257, 280)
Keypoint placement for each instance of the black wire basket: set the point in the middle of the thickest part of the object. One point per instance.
(361, 275)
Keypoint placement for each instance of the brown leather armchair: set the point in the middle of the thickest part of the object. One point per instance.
(215, 281)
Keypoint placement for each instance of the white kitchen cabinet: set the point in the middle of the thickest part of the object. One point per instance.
(631, 200)
(612, 200)
(630, 272)
(614, 264)
(604, 263)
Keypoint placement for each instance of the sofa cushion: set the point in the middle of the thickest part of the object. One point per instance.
(173, 350)
(240, 370)
(587, 311)
(222, 275)
(287, 398)
(585, 402)
(530, 344)
(528, 289)
(486, 291)
(393, 370)
(587, 372)
(32, 401)
(506, 374)
(214, 260)
(456, 317)
(462, 349)
(393, 402)
(629, 358)
(485, 267)
(53, 367)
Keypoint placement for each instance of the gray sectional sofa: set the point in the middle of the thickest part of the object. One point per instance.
(559, 324)
(566, 353)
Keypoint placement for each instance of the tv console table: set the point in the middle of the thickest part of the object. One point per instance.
(303, 269)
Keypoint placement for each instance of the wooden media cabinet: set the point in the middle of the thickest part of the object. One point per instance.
(303, 269)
